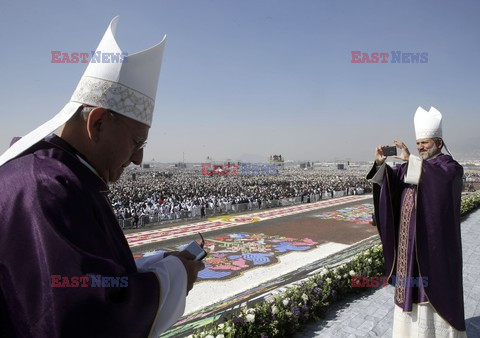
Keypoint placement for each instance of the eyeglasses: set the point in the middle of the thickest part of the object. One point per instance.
(139, 143)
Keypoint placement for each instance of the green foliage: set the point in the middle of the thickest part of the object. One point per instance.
(470, 203)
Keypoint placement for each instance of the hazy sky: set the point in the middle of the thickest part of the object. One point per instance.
(259, 77)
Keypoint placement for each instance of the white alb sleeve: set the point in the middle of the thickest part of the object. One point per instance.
(144, 263)
(414, 170)
(172, 277)
(378, 177)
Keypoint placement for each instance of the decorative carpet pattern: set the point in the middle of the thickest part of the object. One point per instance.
(224, 222)
(360, 214)
(230, 255)
(212, 312)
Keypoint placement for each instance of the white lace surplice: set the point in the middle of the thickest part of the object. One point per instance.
(422, 322)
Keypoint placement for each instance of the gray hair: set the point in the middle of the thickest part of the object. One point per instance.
(82, 113)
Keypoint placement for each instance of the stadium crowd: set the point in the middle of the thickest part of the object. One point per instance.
(186, 193)
(471, 180)
(472, 176)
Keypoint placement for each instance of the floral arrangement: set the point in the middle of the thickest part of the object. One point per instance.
(285, 313)
(470, 203)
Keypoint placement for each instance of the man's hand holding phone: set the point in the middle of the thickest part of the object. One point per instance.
(381, 152)
(191, 258)
(197, 249)
(405, 155)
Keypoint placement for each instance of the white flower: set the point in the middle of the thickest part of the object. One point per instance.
(304, 297)
(202, 334)
(220, 336)
(209, 336)
(285, 301)
(288, 313)
(221, 326)
(369, 260)
(328, 280)
(275, 310)
(251, 310)
(323, 272)
(352, 273)
(228, 329)
(345, 275)
(190, 336)
(270, 299)
(250, 318)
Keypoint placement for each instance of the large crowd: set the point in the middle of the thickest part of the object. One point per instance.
(182, 191)
(472, 180)
(472, 176)
(178, 193)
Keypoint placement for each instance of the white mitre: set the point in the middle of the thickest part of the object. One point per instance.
(128, 88)
(428, 124)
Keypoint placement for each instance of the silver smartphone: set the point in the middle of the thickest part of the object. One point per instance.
(197, 249)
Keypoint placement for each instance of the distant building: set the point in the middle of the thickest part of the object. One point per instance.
(306, 165)
(277, 159)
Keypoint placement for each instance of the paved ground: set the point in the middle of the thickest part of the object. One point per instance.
(371, 315)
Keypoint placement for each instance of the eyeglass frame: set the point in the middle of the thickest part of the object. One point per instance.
(139, 145)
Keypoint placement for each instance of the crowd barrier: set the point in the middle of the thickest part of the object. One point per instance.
(232, 208)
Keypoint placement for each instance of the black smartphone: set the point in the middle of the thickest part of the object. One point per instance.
(389, 151)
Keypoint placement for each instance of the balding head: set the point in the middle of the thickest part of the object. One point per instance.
(109, 141)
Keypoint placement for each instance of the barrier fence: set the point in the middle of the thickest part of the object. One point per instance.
(232, 208)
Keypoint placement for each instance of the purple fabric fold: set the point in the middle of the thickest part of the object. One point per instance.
(436, 252)
(56, 220)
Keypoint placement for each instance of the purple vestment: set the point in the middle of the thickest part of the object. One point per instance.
(434, 247)
(56, 220)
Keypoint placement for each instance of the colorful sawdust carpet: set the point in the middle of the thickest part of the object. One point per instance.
(230, 255)
(224, 222)
(360, 214)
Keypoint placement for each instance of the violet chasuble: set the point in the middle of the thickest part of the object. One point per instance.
(56, 220)
(419, 226)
